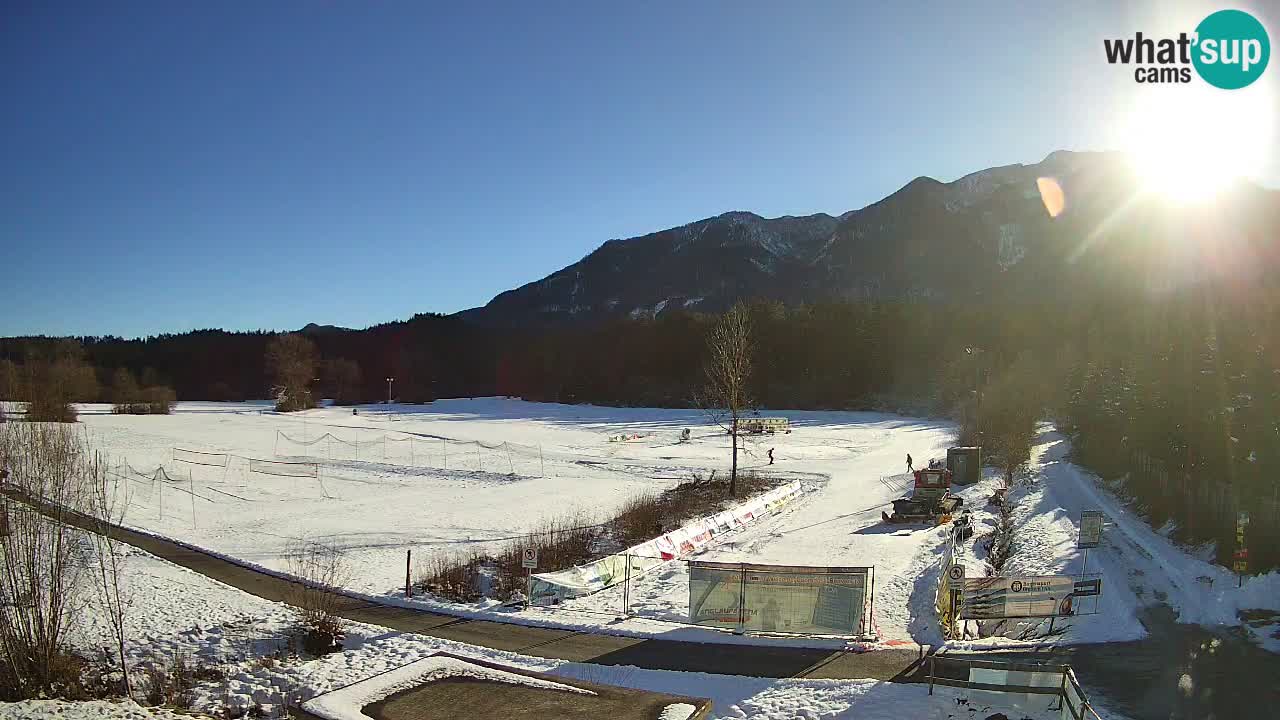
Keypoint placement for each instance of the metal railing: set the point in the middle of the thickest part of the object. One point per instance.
(1014, 678)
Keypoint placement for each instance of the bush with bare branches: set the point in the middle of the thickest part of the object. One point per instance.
(323, 568)
(42, 582)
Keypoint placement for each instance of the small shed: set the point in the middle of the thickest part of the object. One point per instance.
(965, 464)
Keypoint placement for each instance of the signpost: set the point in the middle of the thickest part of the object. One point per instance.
(1088, 588)
(1091, 523)
(1018, 596)
(955, 574)
(529, 561)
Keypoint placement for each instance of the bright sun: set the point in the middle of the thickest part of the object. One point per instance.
(1187, 144)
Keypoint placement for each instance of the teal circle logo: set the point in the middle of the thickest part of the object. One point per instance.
(1232, 49)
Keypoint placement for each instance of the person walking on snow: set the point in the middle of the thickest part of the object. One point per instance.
(909, 466)
(770, 456)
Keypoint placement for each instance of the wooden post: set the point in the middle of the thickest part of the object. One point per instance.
(479, 460)
(408, 588)
(191, 478)
(445, 443)
(510, 465)
(542, 465)
(931, 674)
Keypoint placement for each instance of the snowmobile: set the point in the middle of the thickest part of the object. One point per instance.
(931, 499)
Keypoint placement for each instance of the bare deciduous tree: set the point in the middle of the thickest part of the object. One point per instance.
(323, 569)
(106, 506)
(291, 359)
(41, 580)
(728, 371)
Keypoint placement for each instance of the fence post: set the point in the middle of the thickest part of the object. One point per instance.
(507, 446)
(408, 588)
(479, 460)
(541, 465)
(191, 478)
(742, 599)
(931, 674)
(871, 612)
(275, 447)
(445, 443)
(626, 589)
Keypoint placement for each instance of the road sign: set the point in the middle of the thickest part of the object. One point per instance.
(956, 573)
(529, 558)
(1091, 522)
(1088, 588)
(1242, 566)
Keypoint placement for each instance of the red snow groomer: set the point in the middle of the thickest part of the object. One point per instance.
(931, 501)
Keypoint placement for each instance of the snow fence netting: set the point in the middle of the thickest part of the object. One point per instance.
(593, 577)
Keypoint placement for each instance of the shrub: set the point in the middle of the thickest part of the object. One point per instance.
(323, 567)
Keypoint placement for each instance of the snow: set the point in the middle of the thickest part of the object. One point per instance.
(345, 703)
(174, 611)
(89, 710)
(677, 711)
(464, 474)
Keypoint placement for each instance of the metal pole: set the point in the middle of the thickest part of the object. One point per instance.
(408, 588)
(872, 610)
(626, 589)
(742, 599)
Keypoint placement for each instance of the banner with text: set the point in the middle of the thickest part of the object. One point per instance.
(1017, 596)
(779, 598)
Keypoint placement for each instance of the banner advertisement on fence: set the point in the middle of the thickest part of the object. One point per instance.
(778, 598)
(1017, 596)
(595, 576)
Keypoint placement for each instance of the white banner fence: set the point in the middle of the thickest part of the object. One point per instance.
(554, 587)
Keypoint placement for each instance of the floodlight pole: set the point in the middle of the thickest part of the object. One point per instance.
(389, 381)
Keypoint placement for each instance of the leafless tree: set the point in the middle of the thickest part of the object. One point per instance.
(41, 578)
(323, 569)
(106, 506)
(291, 359)
(728, 373)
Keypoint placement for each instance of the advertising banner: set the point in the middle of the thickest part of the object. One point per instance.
(1020, 596)
(592, 577)
(778, 598)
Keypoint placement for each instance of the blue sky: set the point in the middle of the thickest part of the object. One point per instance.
(169, 166)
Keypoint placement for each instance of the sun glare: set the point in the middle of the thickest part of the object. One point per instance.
(1189, 145)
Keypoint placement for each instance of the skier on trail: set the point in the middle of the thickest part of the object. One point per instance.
(770, 456)
(910, 468)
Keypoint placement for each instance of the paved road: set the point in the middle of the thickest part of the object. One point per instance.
(1228, 675)
(575, 646)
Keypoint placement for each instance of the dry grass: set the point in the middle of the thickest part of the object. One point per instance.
(578, 538)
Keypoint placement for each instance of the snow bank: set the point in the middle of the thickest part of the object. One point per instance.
(346, 703)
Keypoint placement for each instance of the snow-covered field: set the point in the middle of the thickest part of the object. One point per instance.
(175, 612)
(458, 474)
